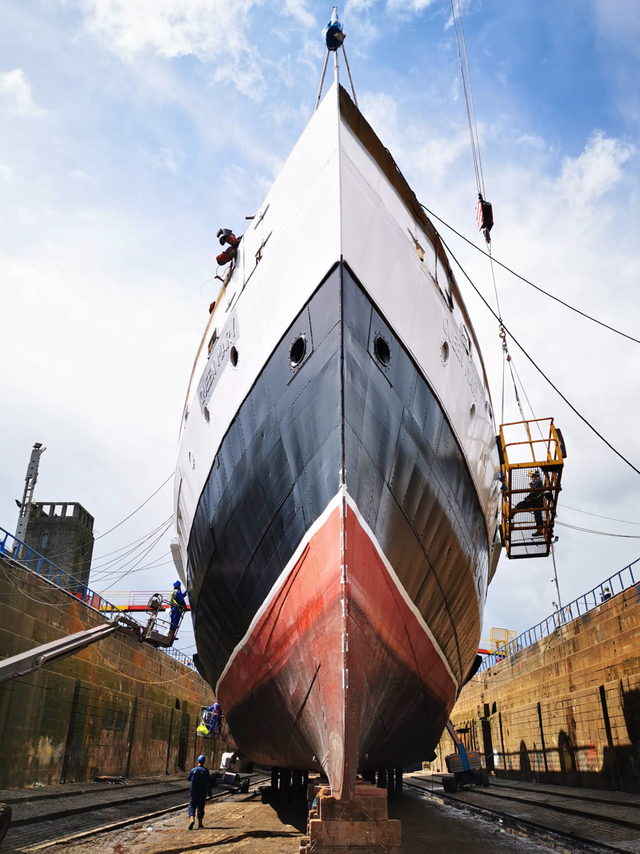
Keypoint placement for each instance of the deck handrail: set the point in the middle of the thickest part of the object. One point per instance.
(20, 552)
(624, 579)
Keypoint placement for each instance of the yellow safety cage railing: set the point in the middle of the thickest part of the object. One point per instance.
(531, 471)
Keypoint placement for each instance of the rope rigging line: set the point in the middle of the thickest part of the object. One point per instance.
(141, 558)
(115, 564)
(524, 391)
(473, 109)
(473, 129)
(538, 368)
(143, 681)
(126, 519)
(20, 592)
(527, 281)
(514, 373)
(479, 173)
(601, 533)
(599, 516)
(123, 551)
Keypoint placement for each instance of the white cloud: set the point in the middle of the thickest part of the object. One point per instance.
(15, 94)
(80, 175)
(619, 22)
(430, 154)
(404, 6)
(204, 28)
(532, 140)
(214, 31)
(358, 5)
(298, 9)
(162, 160)
(367, 18)
(596, 171)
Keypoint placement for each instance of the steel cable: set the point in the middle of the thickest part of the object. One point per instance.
(527, 281)
(539, 369)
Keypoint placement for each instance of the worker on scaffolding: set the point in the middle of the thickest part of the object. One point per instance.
(200, 780)
(178, 607)
(534, 501)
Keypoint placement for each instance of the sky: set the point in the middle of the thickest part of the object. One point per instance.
(131, 130)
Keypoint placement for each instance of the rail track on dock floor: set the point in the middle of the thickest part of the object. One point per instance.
(609, 821)
(42, 819)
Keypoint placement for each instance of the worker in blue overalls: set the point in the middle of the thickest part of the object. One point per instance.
(200, 788)
(216, 717)
(178, 607)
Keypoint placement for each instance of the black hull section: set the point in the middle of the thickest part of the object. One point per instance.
(280, 464)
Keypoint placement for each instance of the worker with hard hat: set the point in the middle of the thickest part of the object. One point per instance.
(178, 607)
(200, 780)
(216, 717)
(534, 501)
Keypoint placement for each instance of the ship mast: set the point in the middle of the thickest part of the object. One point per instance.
(334, 36)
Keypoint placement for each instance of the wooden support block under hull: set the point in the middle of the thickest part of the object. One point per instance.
(369, 804)
(335, 825)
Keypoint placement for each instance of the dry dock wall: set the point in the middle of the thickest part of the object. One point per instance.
(565, 710)
(119, 707)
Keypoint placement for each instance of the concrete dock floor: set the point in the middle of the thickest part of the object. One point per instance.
(245, 824)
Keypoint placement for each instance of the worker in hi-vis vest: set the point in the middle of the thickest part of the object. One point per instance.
(178, 607)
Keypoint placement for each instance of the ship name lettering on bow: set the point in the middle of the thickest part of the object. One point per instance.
(217, 361)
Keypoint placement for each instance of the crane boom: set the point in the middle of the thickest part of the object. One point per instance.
(49, 653)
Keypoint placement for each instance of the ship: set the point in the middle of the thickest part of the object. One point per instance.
(337, 484)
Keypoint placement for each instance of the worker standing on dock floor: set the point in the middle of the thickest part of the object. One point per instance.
(200, 788)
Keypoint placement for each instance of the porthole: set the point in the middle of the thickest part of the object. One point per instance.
(233, 356)
(382, 351)
(445, 352)
(207, 415)
(298, 350)
(472, 411)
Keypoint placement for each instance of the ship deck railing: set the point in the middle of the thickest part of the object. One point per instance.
(19, 552)
(601, 593)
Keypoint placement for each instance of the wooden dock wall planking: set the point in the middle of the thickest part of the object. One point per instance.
(565, 710)
(118, 707)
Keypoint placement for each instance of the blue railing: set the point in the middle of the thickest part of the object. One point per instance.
(587, 602)
(21, 553)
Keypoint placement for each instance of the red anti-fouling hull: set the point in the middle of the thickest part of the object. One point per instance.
(339, 672)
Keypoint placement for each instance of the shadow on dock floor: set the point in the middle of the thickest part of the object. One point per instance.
(242, 823)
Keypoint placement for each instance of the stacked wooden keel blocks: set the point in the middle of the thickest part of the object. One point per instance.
(361, 825)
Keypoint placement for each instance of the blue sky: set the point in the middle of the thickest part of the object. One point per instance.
(131, 131)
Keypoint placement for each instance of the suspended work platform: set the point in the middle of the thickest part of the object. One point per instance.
(210, 723)
(532, 455)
